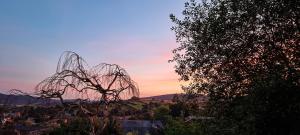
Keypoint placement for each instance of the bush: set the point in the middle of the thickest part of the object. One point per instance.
(79, 126)
(161, 113)
(179, 127)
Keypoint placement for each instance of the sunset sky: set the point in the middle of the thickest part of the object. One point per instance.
(134, 34)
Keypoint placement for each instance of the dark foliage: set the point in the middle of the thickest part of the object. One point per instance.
(180, 127)
(79, 126)
(245, 56)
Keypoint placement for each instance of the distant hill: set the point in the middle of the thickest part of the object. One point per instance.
(160, 97)
(169, 97)
(24, 100)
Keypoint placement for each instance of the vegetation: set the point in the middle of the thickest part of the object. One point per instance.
(107, 83)
(179, 127)
(162, 113)
(245, 56)
(240, 57)
(79, 126)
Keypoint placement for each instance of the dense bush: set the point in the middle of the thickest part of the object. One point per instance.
(162, 113)
(79, 126)
(179, 127)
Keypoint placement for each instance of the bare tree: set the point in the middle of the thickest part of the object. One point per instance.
(105, 83)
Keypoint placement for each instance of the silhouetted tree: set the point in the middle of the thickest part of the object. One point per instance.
(228, 46)
(134, 98)
(105, 83)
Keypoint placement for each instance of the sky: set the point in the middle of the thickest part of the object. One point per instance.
(134, 34)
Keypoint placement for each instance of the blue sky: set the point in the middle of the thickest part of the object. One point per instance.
(132, 33)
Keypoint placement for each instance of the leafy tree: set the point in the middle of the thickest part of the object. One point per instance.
(233, 51)
(181, 107)
(161, 113)
(177, 109)
(79, 126)
(179, 127)
(134, 98)
(185, 105)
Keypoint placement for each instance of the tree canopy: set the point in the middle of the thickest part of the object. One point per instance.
(232, 50)
(226, 43)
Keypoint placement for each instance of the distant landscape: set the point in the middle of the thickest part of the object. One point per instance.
(33, 115)
(26, 99)
(151, 67)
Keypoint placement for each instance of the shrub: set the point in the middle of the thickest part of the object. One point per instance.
(79, 126)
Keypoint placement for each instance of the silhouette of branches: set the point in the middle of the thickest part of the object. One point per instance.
(103, 83)
(72, 74)
(106, 82)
